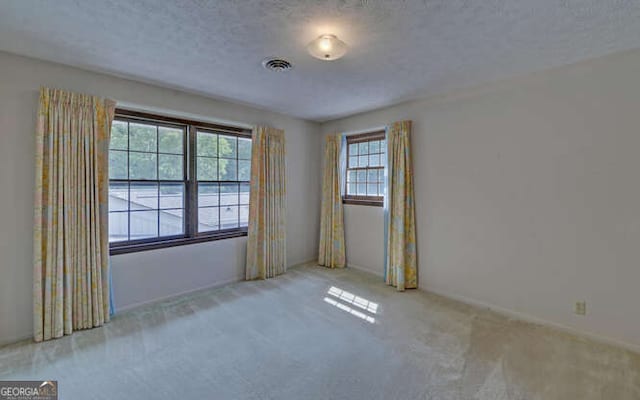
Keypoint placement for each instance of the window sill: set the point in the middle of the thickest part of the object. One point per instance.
(162, 244)
(372, 203)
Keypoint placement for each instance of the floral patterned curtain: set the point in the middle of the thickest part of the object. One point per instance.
(400, 223)
(266, 244)
(331, 252)
(71, 243)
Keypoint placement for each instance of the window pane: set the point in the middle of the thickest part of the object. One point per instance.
(351, 188)
(118, 226)
(374, 160)
(372, 175)
(227, 146)
(244, 148)
(381, 189)
(143, 137)
(363, 161)
(144, 196)
(351, 176)
(372, 189)
(118, 197)
(353, 149)
(244, 215)
(117, 165)
(353, 161)
(374, 146)
(229, 217)
(362, 189)
(142, 166)
(229, 193)
(208, 194)
(228, 170)
(208, 219)
(119, 136)
(362, 175)
(170, 140)
(171, 222)
(171, 195)
(207, 169)
(363, 148)
(143, 224)
(244, 193)
(244, 170)
(207, 144)
(170, 167)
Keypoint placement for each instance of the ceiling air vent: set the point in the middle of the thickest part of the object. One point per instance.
(276, 64)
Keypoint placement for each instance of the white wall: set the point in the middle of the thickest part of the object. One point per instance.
(364, 251)
(528, 195)
(145, 276)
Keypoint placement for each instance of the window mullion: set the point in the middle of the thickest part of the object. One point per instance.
(219, 185)
(192, 184)
(129, 181)
(158, 178)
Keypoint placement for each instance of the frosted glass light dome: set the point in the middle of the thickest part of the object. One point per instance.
(327, 47)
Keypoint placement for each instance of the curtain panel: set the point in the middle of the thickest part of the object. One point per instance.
(331, 252)
(71, 242)
(266, 242)
(400, 224)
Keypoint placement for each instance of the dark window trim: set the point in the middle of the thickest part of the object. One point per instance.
(120, 112)
(363, 202)
(191, 235)
(366, 137)
(374, 201)
(153, 244)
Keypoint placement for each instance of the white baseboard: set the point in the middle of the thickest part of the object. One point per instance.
(132, 306)
(463, 299)
(206, 287)
(534, 320)
(15, 339)
(302, 263)
(129, 307)
(361, 268)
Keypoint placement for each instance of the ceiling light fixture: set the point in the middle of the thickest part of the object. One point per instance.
(327, 47)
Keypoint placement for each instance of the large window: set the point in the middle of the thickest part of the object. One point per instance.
(175, 181)
(365, 169)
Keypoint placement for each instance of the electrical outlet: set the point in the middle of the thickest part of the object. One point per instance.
(581, 308)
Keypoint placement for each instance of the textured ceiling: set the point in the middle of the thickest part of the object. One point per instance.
(399, 50)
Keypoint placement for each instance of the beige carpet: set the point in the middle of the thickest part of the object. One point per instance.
(316, 333)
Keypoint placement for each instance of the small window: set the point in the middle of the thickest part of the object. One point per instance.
(365, 169)
(175, 182)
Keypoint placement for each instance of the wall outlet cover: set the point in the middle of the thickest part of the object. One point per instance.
(581, 308)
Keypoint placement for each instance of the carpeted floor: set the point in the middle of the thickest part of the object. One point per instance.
(305, 336)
